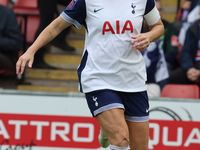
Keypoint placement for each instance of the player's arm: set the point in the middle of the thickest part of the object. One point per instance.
(141, 41)
(155, 27)
(145, 26)
(156, 31)
(48, 34)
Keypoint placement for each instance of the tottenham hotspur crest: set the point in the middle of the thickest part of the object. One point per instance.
(95, 100)
(133, 11)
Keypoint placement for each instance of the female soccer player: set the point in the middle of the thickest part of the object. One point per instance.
(112, 72)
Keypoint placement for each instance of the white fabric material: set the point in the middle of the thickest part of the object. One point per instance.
(153, 90)
(182, 33)
(112, 62)
(161, 72)
(194, 14)
(152, 17)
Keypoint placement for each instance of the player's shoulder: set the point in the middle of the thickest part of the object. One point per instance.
(150, 4)
(75, 3)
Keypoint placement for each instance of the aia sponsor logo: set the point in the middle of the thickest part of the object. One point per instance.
(107, 27)
(48, 131)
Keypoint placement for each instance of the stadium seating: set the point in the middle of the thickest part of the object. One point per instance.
(32, 24)
(4, 2)
(28, 17)
(181, 91)
(7, 72)
(26, 7)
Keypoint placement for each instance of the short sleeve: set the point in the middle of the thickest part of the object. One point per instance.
(75, 13)
(151, 14)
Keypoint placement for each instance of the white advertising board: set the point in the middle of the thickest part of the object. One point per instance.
(38, 122)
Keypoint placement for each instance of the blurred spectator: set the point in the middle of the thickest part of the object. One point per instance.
(48, 11)
(182, 33)
(157, 71)
(11, 41)
(191, 18)
(186, 11)
(14, 1)
(156, 54)
(170, 41)
(189, 5)
(189, 71)
(193, 14)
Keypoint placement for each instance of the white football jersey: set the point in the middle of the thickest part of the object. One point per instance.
(109, 60)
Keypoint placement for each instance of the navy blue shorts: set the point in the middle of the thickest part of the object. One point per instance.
(135, 105)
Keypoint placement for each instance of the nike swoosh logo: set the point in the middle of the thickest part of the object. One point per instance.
(96, 10)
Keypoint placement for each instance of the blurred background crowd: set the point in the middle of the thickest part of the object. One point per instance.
(174, 59)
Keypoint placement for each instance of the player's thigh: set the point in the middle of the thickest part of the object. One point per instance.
(108, 108)
(138, 135)
(114, 125)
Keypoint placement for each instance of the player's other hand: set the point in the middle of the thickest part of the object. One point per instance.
(140, 41)
(27, 57)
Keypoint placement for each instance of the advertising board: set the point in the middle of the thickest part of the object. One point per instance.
(38, 122)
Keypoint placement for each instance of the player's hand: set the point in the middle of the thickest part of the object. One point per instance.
(141, 41)
(27, 57)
